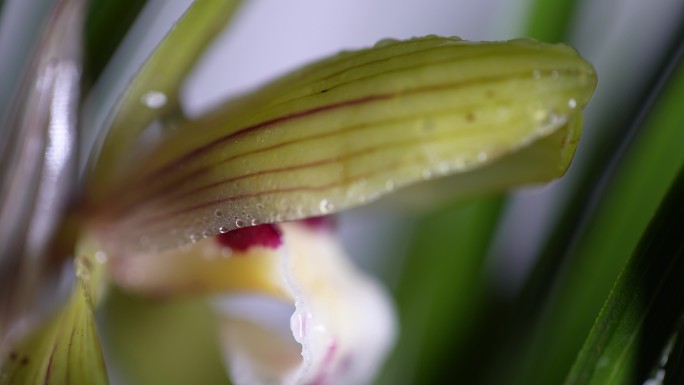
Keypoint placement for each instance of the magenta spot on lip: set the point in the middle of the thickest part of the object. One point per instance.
(265, 235)
(326, 222)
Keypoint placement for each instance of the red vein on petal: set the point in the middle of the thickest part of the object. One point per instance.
(256, 127)
(48, 370)
(404, 143)
(334, 106)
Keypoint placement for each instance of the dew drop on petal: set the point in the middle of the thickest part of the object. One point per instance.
(572, 103)
(101, 257)
(326, 206)
(239, 223)
(389, 185)
(154, 99)
(218, 213)
(385, 43)
(224, 229)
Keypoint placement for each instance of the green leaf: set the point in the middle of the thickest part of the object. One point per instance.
(153, 92)
(347, 130)
(106, 25)
(163, 342)
(550, 20)
(632, 194)
(440, 293)
(642, 311)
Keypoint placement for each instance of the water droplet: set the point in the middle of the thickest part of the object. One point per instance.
(539, 115)
(101, 257)
(255, 222)
(427, 125)
(385, 43)
(82, 268)
(572, 103)
(206, 234)
(224, 229)
(259, 206)
(154, 99)
(326, 206)
(389, 185)
(218, 213)
(239, 223)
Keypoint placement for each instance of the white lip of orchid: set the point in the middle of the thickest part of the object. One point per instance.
(342, 319)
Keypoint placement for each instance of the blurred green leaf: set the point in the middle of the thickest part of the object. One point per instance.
(107, 23)
(638, 182)
(162, 342)
(440, 291)
(551, 20)
(642, 310)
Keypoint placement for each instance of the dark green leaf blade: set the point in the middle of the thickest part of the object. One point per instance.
(644, 306)
(637, 185)
(106, 25)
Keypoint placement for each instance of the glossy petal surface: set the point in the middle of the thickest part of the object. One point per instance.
(347, 130)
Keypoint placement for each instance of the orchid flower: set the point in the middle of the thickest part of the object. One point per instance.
(234, 206)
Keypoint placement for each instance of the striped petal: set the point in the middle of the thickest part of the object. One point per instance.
(348, 130)
(65, 350)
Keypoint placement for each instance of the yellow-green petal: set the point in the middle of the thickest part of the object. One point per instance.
(66, 349)
(349, 129)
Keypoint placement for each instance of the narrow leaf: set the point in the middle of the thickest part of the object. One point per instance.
(633, 191)
(106, 25)
(642, 311)
(440, 293)
(347, 130)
